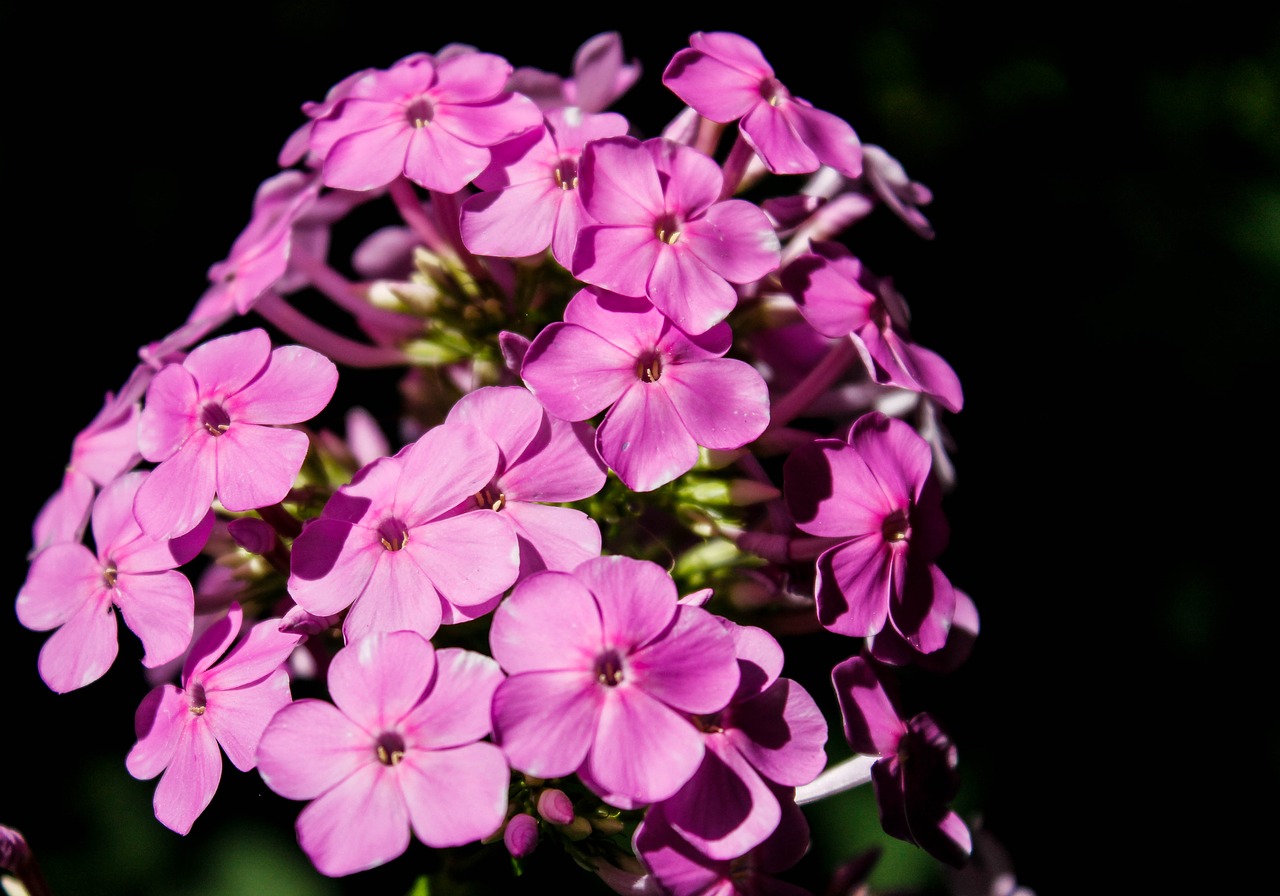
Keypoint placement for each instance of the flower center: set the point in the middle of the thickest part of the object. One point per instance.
(197, 699)
(649, 367)
(394, 534)
(609, 668)
(896, 526)
(215, 418)
(773, 91)
(420, 112)
(110, 574)
(667, 229)
(567, 173)
(390, 748)
(490, 497)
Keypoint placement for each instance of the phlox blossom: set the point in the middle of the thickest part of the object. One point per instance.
(659, 229)
(400, 749)
(726, 78)
(224, 703)
(600, 75)
(542, 461)
(430, 119)
(915, 777)
(214, 425)
(605, 669)
(873, 491)
(392, 546)
(531, 198)
(77, 590)
(769, 738)
(666, 392)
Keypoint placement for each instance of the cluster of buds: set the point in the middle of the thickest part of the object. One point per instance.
(653, 418)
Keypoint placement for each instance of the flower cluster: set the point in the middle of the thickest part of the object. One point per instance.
(655, 417)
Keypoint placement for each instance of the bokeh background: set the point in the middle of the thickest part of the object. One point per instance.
(1105, 281)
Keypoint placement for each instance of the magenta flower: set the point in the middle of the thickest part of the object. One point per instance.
(531, 199)
(915, 777)
(677, 868)
(227, 705)
(605, 668)
(902, 195)
(214, 425)
(600, 76)
(542, 460)
(874, 492)
(76, 590)
(432, 120)
(726, 78)
(839, 297)
(400, 748)
(771, 735)
(667, 392)
(390, 545)
(659, 229)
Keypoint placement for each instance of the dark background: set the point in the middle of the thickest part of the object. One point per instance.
(1104, 281)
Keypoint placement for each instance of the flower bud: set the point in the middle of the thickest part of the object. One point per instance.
(521, 835)
(555, 806)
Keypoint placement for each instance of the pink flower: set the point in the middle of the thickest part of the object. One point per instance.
(213, 424)
(400, 748)
(770, 737)
(667, 392)
(77, 591)
(902, 195)
(915, 777)
(531, 199)
(391, 546)
(875, 494)
(661, 230)
(180, 729)
(839, 297)
(432, 120)
(600, 76)
(542, 460)
(605, 668)
(726, 78)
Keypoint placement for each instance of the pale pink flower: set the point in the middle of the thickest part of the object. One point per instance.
(605, 669)
(531, 198)
(227, 705)
(667, 392)
(77, 591)
(659, 229)
(391, 545)
(430, 119)
(400, 749)
(726, 78)
(215, 425)
(542, 461)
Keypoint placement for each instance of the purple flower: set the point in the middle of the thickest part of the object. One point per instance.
(542, 460)
(840, 298)
(430, 119)
(667, 392)
(77, 591)
(400, 749)
(390, 546)
(531, 199)
(726, 78)
(605, 668)
(915, 777)
(600, 76)
(214, 425)
(659, 229)
(225, 705)
(874, 492)
(771, 734)
(904, 196)
(677, 868)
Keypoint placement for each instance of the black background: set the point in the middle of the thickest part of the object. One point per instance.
(1104, 281)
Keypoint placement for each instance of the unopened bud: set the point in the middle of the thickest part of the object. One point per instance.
(555, 806)
(607, 824)
(252, 534)
(578, 829)
(521, 835)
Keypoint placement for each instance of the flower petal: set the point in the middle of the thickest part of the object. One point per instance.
(455, 796)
